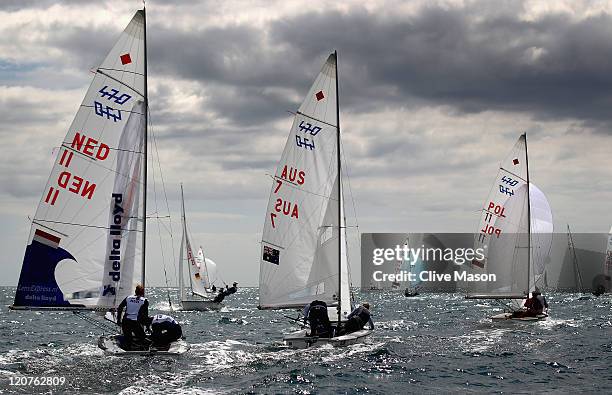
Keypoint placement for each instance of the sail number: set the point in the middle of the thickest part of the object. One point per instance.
(506, 190)
(284, 207)
(66, 180)
(493, 210)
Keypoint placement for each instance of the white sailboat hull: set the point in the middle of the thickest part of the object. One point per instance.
(509, 317)
(299, 339)
(200, 305)
(110, 346)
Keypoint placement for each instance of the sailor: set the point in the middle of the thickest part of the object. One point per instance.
(214, 289)
(135, 319)
(315, 313)
(220, 296)
(232, 289)
(536, 304)
(358, 318)
(165, 330)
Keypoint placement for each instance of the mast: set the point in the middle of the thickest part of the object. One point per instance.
(146, 118)
(180, 265)
(339, 195)
(528, 216)
(570, 244)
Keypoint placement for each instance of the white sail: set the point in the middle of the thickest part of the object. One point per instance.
(541, 235)
(503, 231)
(608, 261)
(199, 282)
(300, 251)
(79, 255)
(211, 269)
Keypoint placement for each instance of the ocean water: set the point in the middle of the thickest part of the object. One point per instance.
(435, 343)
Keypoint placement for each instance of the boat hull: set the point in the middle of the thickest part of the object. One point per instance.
(111, 346)
(509, 317)
(299, 340)
(200, 305)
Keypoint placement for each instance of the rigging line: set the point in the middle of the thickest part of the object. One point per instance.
(83, 225)
(68, 145)
(105, 328)
(294, 185)
(348, 178)
(161, 175)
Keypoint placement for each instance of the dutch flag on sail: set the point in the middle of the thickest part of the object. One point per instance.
(46, 238)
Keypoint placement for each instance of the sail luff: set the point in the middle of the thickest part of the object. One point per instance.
(339, 194)
(528, 219)
(145, 150)
(180, 262)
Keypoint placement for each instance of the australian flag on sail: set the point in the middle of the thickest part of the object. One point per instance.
(271, 255)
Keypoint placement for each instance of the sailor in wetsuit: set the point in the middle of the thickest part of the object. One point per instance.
(358, 318)
(135, 319)
(315, 313)
(220, 296)
(165, 330)
(232, 289)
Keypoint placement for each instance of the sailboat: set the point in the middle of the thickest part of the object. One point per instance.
(304, 253)
(201, 270)
(87, 243)
(515, 234)
(577, 275)
(601, 282)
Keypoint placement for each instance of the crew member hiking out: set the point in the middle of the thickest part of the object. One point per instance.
(358, 318)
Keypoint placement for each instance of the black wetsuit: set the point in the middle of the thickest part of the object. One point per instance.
(318, 319)
(357, 320)
(165, 330)
(220, 296)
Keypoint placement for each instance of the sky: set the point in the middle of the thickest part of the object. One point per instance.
(433, 96)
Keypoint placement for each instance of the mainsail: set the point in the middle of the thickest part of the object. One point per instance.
(88, 226)
(303, 255)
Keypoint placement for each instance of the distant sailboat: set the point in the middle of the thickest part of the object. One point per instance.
(89, 228)
(304, 255)
(572, 250)
(202, 273)
(601, 283)
(414, 268)
(516, 234)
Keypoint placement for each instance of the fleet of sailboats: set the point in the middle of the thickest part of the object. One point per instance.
(87, 244)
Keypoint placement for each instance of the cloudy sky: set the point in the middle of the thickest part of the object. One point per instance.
(434, 95)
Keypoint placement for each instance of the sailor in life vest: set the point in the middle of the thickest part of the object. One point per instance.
(358, 318)
(135, 319)
(165, 330)
(315, 313)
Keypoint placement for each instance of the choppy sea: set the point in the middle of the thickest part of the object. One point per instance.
(434, 343)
